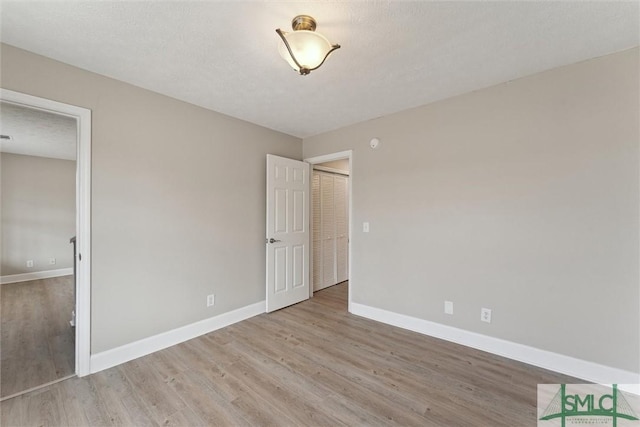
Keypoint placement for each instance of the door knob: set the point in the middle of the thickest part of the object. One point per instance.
(272, 240)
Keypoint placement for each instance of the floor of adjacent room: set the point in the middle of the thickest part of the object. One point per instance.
(38, 343)
(309, 364)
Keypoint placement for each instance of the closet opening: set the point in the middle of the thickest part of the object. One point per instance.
(330, 224)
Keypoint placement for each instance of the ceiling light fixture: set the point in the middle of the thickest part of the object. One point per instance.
(304, 49)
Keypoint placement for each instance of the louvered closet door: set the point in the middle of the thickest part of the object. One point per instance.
(341, 208)
(330, 229)
(327, 231)
(316, 224)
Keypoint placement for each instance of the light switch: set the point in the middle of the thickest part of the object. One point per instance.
(365, 227)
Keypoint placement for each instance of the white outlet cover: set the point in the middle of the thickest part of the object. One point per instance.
(365, 227)
(29, 263)
(485, 315)
(448, 307)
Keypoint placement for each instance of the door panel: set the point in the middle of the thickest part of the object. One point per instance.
(328, 230)
(316, 234)
(299, 199)
(298, 266)
(280, 264)
(342, 227)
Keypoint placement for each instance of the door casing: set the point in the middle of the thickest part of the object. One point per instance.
(83, 215)
(348, 154)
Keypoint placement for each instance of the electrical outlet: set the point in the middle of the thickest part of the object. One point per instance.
(211, 300)
(485, 315)
(29, 263)
(365, 227)
(448, 307)
(52, 261)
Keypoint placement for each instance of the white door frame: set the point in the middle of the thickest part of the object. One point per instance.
(328, 158)
(83, 215)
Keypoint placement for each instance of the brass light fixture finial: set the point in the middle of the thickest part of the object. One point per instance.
(303, 22)
(304, 49)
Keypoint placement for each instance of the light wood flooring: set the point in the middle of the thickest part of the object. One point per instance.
(37, 342)
(309, 364)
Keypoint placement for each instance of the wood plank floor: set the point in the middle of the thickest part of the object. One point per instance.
(310, 364)
(38, 344)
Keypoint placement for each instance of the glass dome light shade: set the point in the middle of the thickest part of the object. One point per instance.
(309, 48)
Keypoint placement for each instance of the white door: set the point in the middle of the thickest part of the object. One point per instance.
(287, 237)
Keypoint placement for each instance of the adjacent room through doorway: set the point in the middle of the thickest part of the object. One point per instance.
(38, 227)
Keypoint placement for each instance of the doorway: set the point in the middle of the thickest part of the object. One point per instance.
(331, 252)
(50, 142)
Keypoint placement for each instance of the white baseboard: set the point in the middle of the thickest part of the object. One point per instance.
(127, 352)
(35, 275)
(589, 371)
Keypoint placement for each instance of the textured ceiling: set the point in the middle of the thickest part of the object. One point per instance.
(395, 55)
(37, 133)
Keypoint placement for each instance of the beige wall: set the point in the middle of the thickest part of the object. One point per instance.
(177, 201)
(37, 208)
(522, 198)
